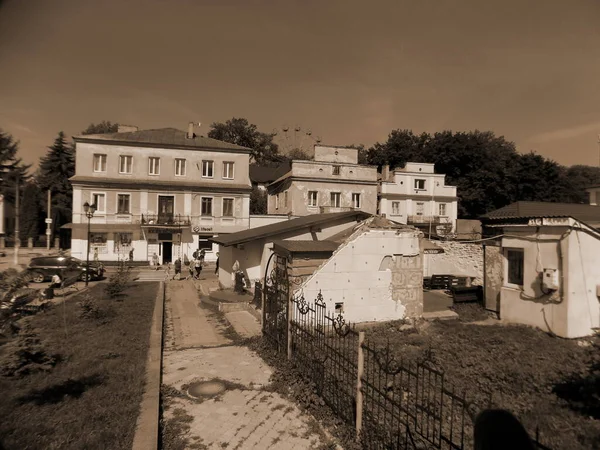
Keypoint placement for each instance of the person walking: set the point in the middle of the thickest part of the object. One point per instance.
(177, 266)
(198, 268)
(217, 268)
(202, 255)
(191, 270)
(155, 260)
(131, 255)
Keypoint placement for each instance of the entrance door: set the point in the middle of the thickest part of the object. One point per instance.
(167, 252)
(166, 206)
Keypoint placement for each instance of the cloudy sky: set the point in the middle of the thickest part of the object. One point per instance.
(348, 70)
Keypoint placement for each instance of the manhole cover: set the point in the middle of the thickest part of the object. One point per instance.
(206, 389)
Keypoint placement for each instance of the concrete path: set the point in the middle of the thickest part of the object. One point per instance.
(236, 412)
(244, 323)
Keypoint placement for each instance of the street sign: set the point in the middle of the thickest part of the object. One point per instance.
(48, 220)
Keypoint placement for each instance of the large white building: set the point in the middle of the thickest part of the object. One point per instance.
(160, 191)
(416, 195)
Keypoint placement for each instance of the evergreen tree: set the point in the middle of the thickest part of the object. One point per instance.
(30, 214)
(11, 167)
(55, 170)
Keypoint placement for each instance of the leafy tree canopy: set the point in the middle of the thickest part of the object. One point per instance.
(298, 153)
(240, 132)
(101, 128)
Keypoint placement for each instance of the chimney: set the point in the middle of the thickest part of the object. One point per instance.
(385, 173)
(190, 133)
(126, 129)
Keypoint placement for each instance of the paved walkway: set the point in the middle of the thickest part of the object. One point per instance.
(244, 415)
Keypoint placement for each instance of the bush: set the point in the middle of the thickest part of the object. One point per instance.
(11, 280)
(118, 282)
(24, 355)
(88, 307)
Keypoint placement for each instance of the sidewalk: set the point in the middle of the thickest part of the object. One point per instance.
(233, 410)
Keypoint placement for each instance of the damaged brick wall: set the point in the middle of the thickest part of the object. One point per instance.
(459, 258)
(407, 284)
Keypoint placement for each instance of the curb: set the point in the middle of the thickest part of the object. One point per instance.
(146, 430)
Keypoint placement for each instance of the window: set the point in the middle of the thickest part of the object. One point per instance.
(204, 244)
(514, 259)
(123, 204)
(125, 163)
(336, 170)
(356, 200)
(336, 199)
(98, 239)
(420, 208)
(100, 201)
(179, 167)
(153, 166)
(312, 198)
(208, 169)
(339, 308)
(285, 196)
(206, 209)
(420, 184)
(227, 207)
(395, 208)
(442, 209)
(122, 241)
(228, 170)
(99, 163)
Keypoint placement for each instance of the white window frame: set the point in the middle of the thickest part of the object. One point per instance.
(212, 206)
(232, 207)
(156, 166)
(507, 283)
(228, 175)
(103, 162)
(417, 204)
(337, 195)
(92, 194)
(123, 158)
(418, 181)
(180, 163)
(117, 202)
(315, 203)
(397, 212)
(356, 200)
(443, 206)
(205, 164)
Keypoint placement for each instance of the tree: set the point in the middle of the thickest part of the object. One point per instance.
(101, 128)
(258, 201)
(402, 146)
(579, 178)
(238, 131)
(11, 167)
(55, 170)
(298, 154)
(30, 217)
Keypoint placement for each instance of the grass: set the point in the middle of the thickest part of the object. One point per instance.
(91, 397)
(525, 369)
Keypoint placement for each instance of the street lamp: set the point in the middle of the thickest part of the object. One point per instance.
(89, 211)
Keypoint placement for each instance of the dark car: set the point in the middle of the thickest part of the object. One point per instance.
(44, 268)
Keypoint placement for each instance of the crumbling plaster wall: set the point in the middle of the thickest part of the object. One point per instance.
(460, 258)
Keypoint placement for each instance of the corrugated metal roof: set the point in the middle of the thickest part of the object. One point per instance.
(170, 137)
(287, 226)
(293, 246)
(526, 210)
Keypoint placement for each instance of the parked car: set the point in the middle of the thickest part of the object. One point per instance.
(43, 268)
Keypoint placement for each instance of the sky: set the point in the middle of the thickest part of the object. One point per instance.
(350, 71)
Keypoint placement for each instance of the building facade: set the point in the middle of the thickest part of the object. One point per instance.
(416, 195)
(332, 182)
(163, 192)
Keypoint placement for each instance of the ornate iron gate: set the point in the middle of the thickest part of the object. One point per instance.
(275, 313)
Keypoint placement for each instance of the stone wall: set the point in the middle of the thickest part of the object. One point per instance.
(407, 284)
(459, 259)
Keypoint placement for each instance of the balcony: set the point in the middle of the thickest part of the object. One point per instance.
(335, 209)
(165, 219)
(416, 219)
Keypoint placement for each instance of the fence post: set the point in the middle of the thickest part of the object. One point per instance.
(290, 305)
(262, 306)
(359, 394)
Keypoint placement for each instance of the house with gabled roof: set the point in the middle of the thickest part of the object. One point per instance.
(542, 266)
(163, 191)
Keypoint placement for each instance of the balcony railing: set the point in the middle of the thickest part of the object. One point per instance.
(416, 219)
(165, 219)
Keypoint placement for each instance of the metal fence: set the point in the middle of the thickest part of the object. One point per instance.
(391, 403)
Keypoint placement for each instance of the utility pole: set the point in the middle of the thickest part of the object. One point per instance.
(49, 221)
(17, 233)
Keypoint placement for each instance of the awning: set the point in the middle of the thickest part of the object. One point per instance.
(430, 248)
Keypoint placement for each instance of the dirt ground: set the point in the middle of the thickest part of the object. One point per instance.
(545, 381)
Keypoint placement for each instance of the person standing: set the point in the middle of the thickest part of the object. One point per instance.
(131, 255)
(177, 269)
(198, 268)
(202, 255)
(217, 268)
(155, 260)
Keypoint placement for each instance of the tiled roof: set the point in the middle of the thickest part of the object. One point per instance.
(167, 137)
(267, 174)
(286, 226)
(293, 246)
(526, 210)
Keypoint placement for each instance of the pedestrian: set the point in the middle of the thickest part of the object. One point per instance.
(198, 268)
(195, 254)
(155, 260)
(202, 255)
(131, 255)
(217, 268)
(191, 270)
(177, 269)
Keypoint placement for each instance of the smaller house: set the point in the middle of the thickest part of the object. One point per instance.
(374, 274)
(542, 266)
(252, 248)
(416, 195)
